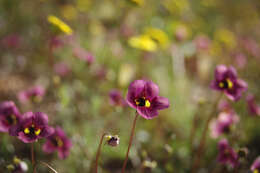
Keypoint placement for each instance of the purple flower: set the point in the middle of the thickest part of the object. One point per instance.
(143, 96)
(202, 42)
(227, 155)
(115, 98)
(62, 69)
(252, 106)
(34, 94)
(11, 41)
(58, 141)
(226, 80)
(223, 123)
(255, 167)
(32, 126)
(9, 115)
(83, 55)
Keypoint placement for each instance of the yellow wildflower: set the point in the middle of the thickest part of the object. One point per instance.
(158, 35)
(138, 2)
(143, 42)
(226, 37)
(60, 24)
(69, 12)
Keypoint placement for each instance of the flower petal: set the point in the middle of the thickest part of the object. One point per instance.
(147, 113)
(160, 103)
(135, 89)
(151, 90)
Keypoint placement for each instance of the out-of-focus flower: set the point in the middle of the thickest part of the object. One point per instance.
(113, 141)
(55, 42)
(143, 96)
(158, 35)
(34, 94)
(255, 167)
(223, 123)
(11, 41)
(225, 37)
(252, 106)
(138, 2)
(181, 32)
(240, 59)
(32, 126)
(176, 7)
(150, 164)
(143, 42)
(83, 55)
(126, 74)
(60, 24)
(224, 106)
(227, 154)
(69, 12)
(58, 141)
(18, 166)
(226, 80)
(202, 42)
(9, 115)
(62, 69)
(251, 46)
(115, 98)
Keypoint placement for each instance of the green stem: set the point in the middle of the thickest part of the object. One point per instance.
(130, 142)
(98, 151)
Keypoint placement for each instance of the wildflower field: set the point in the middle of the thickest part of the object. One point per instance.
(130, 86)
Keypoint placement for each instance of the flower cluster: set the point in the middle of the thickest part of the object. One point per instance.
(31, 126)
(226, 81)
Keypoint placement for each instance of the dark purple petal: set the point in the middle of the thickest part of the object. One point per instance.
(147, 113)
(47, 131)
(40, 119)
(48, 147)
(151, 90)
(220, 72)
(136, 89)
(160, 103)
(26, 138)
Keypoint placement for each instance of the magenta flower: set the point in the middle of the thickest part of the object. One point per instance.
(58, 141)
(32, 126)
(202, 42)
(255, 167)
(11, 41)
(115, 98)
(252, 106)
(34, 94)
(223, 123)
(143, 96)
(9, 115)
(62, 69)
(227, 154)
(226, 80)
(83, 55)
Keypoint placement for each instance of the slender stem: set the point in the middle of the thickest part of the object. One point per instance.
(99, 150)
(199, 152)
(130, 142)
(33, 159)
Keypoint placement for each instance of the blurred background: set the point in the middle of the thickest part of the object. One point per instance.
(81, 50)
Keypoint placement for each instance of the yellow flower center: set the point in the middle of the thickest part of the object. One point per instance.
(142, 102)
(59, 142)
(256, 171)
(226, 84)
(147, 103)
(32, 129)
(229, 84)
